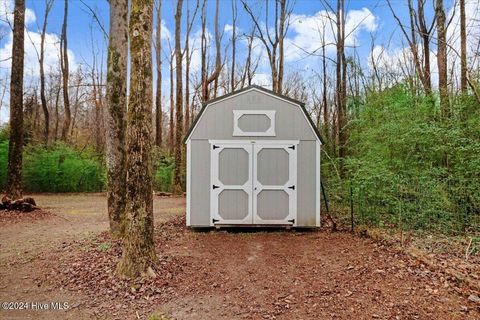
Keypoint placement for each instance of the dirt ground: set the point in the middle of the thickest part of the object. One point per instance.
(214, 275)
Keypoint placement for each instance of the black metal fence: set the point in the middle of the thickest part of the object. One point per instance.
(448, 207)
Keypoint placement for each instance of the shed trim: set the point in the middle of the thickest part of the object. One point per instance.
(251, 88)
(317, 185)
(189, 183)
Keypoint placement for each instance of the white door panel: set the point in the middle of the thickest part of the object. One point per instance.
(253, 182)
(231, 193)
(274, 183)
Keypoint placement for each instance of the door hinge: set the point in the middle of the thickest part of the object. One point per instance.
(291, 147)
(292, 221)
(215, 147)
(292, 187)
(215, 187)
(214, 220)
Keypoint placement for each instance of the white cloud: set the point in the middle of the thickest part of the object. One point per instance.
(166, 34)
(32, 45)
(262, 79)
(6, 13)
(308, 32)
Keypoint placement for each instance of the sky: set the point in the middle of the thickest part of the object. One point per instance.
(365, 20)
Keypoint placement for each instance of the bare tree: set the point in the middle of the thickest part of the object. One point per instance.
(138, 246)
(48, 7)
(273, 43)
(15, 158)
(234, 45)
(208, 79)
(171, 133)
(426, 34)
(188, 59)
(177, 183)
(65, 73)
(442, 57)
(158, 59)
(251, 65)
(116, 113)
(341, 97)
(463, 48)
(422, 71)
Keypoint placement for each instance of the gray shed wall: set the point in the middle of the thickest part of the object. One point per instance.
(217, 124)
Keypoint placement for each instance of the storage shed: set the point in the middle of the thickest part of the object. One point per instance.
(253, 158)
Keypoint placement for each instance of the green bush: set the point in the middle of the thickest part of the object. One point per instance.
(409, 167)
(62, 169)
(56, 169)
(163, 173)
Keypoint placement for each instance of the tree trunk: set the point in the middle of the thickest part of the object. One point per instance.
(46, 132)
(171, 133)
(341, 83)
(324, 91)
(425, 34)
(442, 58)
(65, 74)
(14, 174)
(187, 73)
(138, 246)
(158, 95)
(177, 176)
(234, 45)
(116, 112)
(463, 48)
(207, 80)
(281, 33)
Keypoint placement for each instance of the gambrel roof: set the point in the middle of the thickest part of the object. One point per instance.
(257, 88)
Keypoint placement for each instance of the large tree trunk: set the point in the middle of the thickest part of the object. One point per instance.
(158, 95)
(442, 58)
(65, 74)
(177, 176)
(46, 132)
(463, 48)
(116, 111)
(14, 174)
(138, 246)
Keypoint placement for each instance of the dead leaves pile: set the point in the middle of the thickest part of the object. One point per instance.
(88, 266)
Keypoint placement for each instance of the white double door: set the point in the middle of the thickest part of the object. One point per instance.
(253, 182)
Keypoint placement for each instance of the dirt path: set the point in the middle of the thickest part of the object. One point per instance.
(76, 216)
(217, 275)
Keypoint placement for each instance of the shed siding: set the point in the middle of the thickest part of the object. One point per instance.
(306, 181)
(217, 120)
(217, 124)
(200, 183)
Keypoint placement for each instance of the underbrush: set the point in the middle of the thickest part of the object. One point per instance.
(61, 168)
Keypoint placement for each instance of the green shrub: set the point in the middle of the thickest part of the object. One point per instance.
(163, 173)
(56, 169)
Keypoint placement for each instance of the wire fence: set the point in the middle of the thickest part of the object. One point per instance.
(448, 206)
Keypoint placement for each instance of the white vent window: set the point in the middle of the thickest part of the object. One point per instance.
(254, 123)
